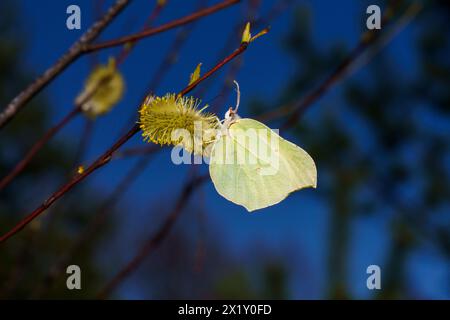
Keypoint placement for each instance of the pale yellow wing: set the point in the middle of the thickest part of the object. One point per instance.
(254, 167)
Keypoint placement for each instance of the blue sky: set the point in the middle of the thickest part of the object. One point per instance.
(302, 219)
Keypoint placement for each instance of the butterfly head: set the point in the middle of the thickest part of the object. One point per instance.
(231, 115)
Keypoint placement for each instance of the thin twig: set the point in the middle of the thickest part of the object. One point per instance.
(165, 27)
(106, 156)
(153, 242)
(70, 56)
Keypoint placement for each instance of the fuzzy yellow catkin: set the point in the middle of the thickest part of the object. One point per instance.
(103, 89)
(159, 117)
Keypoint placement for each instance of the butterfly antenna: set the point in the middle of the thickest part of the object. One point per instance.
(238, 96)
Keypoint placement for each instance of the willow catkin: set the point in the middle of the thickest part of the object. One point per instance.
(177, 120)
(102, 91)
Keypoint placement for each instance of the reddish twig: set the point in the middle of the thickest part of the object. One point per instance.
(106, 156)
(156, 239)
(165, 27)
(70, 56)
(276, 10)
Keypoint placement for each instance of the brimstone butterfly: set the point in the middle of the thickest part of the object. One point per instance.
(253, 166)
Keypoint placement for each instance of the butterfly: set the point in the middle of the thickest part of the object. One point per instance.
(252, 166)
